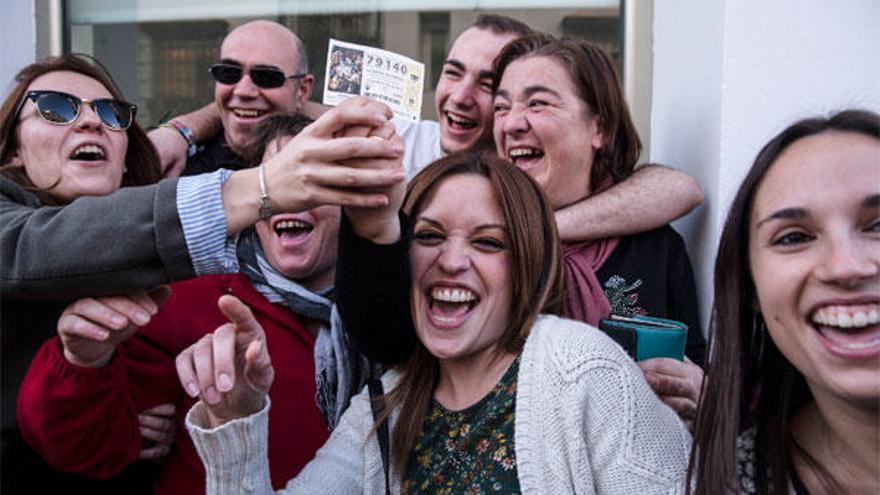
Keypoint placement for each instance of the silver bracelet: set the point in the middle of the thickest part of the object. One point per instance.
(265, 206)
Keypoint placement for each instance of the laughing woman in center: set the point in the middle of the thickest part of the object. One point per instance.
(496, 395)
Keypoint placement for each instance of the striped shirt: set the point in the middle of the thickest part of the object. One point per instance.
(200, 207)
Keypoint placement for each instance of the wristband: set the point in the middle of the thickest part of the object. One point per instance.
(265, 206)
(185, 133)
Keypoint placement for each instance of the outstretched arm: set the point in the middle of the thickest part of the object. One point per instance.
(131, 239)
(322, 165)
(178, 228)
(372, 295)
(653, 196)
(166, 231)
(372, 274)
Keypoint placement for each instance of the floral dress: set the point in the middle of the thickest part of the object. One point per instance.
(469, 451)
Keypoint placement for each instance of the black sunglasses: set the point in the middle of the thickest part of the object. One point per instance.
(264, 77)
(57, 107)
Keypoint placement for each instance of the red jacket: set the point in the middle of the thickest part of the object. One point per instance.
(85, 420)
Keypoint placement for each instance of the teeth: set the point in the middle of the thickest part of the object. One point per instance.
(246, 112)
(291, 224)
(460, 120)
(521, 152)
(860, 345)
(843, 317)
(860, 319)
(447, 294)
(90, 149)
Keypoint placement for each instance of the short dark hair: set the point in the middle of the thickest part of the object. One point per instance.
(141, 158)
(274, 127)
(752, 383)
(303, 67)
(594, 75)
(501, 24)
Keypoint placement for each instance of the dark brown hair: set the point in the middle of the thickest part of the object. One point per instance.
(141, 158)
(593, 74)
(501, 24)
(536, 276)
(274, 127)
(752, 384)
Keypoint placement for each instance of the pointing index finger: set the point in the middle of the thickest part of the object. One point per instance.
(240, 316)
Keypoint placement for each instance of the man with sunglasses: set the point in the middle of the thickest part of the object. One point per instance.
(263, 71)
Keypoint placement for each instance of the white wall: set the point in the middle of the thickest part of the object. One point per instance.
(728, 75)
(18, 39)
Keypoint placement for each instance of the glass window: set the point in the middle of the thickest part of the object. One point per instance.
(159, 51)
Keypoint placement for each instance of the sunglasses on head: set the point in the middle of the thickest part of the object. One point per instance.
(264, 77)
(57, 107)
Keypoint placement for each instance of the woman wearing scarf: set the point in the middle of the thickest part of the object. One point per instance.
(82, 394)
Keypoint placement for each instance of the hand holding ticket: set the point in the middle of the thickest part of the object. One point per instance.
(358, 70)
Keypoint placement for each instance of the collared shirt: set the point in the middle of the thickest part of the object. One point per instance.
(200, 207)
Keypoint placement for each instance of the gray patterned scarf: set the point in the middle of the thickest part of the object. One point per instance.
(340, 368)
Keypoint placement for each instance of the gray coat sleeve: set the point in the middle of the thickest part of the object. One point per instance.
(131, 239)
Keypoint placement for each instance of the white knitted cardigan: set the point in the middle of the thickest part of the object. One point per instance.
(586, 422)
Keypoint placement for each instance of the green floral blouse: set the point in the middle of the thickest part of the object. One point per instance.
(470, 451)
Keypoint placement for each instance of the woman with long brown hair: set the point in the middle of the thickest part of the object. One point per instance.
(65, 132)
(496, 396)
(792, 403)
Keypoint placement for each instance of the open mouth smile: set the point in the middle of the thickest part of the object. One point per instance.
(851, 329)
(460, 123)
(88, 153)
(292, 230)
(248, 113)
(525, 157)
(450, 306)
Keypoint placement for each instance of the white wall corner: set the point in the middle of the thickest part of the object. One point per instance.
(686, 117)
(728, 75)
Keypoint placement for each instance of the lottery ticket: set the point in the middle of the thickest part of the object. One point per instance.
(359, 70)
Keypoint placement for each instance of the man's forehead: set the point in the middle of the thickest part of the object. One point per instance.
(248, 64)
(476, 48)
(260, 47)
